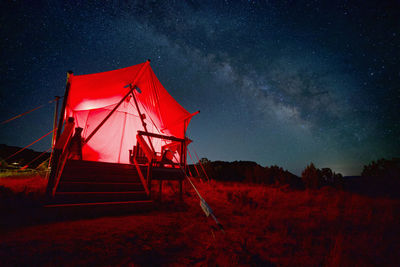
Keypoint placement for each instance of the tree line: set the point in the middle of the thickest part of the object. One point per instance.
(384, 172)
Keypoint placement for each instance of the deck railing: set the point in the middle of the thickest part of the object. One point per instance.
(152, 160)
(60, 156)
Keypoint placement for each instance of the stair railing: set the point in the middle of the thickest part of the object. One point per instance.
(150, 158)
(60, 156)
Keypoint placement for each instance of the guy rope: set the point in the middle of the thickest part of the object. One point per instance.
(36, 158)
(194, 164)
(27, 112)
(203, 204)
(56, 99)
(201, 165)
(22, 149)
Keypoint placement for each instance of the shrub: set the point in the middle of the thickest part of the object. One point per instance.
(311, 176)
(383, 169)
(383, 175)
(315, 178)
(3, 164)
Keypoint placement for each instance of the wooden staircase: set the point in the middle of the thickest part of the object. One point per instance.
(99, 186)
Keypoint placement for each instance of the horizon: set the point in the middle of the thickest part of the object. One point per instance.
(276, 83)
(216, 160)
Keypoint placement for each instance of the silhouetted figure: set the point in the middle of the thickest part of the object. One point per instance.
(76, 145)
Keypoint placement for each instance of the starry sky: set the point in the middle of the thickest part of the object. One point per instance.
(277, 82)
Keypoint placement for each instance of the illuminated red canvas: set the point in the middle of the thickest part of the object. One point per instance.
(92, 97)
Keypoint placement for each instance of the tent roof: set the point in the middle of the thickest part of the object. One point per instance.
(105, 89)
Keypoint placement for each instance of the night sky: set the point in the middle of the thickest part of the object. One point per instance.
(277, 82)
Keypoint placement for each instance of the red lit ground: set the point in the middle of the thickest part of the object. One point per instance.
(264, 226)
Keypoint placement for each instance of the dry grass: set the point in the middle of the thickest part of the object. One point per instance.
(264, 226)
(21, 192)
(24, 183)
(312, 228)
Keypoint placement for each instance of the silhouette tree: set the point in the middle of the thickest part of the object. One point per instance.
(383, 176)
(3, 164)
(311, 176)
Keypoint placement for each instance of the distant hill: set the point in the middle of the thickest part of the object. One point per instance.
(249, 171)
(22, 158)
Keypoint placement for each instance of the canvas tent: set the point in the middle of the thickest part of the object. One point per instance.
(107, 106)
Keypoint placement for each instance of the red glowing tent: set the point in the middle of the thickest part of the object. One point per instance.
(107, 106)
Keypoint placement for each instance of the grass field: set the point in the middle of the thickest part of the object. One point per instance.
(264, 226)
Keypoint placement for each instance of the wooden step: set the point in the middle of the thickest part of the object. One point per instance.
(87, 164)
(88, 187)
(93, 177)
(102, 170)
(90, 171)
(131, 170)
(80, 186)
(104, 167)
(93, 197)
(99, 171)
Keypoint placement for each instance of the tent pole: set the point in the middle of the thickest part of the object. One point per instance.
(184, 145)
(57, 98)
(141, 118)
(53, 140)
(61, 119)
(122, 139)
(131, 86)
(106, 118)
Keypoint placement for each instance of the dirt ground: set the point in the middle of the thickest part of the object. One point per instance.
(264, 226)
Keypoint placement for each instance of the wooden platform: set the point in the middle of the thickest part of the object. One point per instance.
(94, 186)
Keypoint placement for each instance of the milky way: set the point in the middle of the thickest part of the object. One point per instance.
(283, 82)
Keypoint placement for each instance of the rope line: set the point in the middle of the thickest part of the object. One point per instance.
(36, 158)
(201, 165)
(22, 149)
(194, 164)
(190, 173)
(26, 112)
(206, 208)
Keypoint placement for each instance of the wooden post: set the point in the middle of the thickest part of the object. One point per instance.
(53, 140)
(183, 158)
(184, 145)
(59, 157)
(149, 175)
(70, 74)
(149, 179)
(180, 189)
(160, 190)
